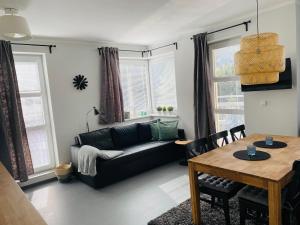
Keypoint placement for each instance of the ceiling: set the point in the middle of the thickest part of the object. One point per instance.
(128, 21)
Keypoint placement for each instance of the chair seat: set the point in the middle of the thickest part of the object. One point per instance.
(256, 195)
(219, 184)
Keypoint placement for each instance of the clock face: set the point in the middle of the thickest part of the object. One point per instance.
(80, 82)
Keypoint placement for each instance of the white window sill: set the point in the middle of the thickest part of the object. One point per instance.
(162, 115)
(165, 115)
(138, 118)
(39, 177)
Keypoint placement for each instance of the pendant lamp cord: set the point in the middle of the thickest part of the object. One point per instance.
(257, 28)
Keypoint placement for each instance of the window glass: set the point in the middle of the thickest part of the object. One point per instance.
(163, 83)
(133, 76)
(31, 82)
(228, 98)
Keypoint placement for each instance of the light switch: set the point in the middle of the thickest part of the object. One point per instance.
(263, 102)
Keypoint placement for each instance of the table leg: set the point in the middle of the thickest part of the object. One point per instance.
(195, 195)
(274, 192)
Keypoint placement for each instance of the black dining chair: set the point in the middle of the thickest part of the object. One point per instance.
(221, 137)
(237, 132)
(254, 202)
(213, 186)
(197, 147)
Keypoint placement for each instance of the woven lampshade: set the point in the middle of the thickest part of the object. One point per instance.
(260, 59)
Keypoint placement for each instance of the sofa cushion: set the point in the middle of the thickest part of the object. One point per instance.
(154, 131)
(141, 150)
(167, 130)
(125, 136)
(144, 131)
(100, 139)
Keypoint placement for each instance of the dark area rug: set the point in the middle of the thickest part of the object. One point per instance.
(181, 215)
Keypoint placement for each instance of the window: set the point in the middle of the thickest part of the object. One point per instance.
(228, 98)
(162, 81)
(32, 87)
(134, 80)
(147, 84)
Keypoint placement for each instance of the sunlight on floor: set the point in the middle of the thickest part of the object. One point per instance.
(177, 189)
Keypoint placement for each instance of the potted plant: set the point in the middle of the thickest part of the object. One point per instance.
(164, 109)
(159, 109)
(170, 109)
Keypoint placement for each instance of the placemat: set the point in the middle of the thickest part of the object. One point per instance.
(243, 155)
(276, 144)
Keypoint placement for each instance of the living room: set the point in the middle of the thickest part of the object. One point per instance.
(116, 72)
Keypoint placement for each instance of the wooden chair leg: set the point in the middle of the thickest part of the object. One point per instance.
(226, 211)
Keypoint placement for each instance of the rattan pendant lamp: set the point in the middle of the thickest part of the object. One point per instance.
(260, 58)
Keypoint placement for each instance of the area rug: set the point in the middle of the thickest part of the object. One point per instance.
(181, 215)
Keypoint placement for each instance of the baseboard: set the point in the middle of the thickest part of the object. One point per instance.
(38, 179)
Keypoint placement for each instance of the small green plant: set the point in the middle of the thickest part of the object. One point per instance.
(164, 109)
(159, 108)
(170, 108)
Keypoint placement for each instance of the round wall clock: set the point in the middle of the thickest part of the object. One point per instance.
(80, 82)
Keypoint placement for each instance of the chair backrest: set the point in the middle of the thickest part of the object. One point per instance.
(293, 190)
(238, 132)
(214, 138)
(197, 147)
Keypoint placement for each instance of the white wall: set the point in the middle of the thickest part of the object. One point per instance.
(280, 114)
(69, 104)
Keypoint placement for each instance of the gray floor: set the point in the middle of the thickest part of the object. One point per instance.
(133, 201)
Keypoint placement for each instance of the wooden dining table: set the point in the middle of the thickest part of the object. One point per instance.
(272, 174)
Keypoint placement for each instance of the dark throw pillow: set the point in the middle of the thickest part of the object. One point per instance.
(125, 136)
(100, 139)
(144, 131)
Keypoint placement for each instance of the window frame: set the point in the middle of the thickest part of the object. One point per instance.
(44, 94)
(213, 46)
(147, 80)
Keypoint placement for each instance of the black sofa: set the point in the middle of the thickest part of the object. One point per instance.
(140, 152)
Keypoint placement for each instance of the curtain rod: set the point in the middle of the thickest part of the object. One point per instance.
(145, 51)
(38, 45)
(245, 23)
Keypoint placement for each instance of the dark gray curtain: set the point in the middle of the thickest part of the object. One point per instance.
(111, 103)
(203, 107)
(14, 148)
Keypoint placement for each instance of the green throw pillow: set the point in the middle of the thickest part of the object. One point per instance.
(154, 131)
(167, 130)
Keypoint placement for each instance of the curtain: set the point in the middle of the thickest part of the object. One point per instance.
(14, 148)
(203, 107)
(111, 103)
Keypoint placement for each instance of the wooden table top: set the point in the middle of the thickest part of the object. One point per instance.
(15, 208)
(183, 142)
(277, 168)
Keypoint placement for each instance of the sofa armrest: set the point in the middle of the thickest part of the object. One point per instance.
(181, 134)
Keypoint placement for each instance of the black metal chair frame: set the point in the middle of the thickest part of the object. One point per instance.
(290, 207)
(238, 129)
